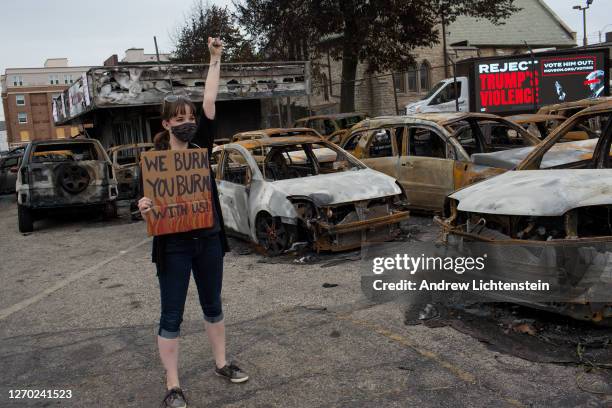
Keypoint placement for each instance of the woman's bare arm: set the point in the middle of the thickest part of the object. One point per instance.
(215, 46)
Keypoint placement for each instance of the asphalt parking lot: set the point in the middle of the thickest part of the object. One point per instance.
(79, 306)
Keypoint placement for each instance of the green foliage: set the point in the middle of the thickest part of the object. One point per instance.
(191, 38)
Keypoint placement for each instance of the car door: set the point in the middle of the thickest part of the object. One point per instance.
(426, 172)
(234, 187)
(381, 151)
(8, 174)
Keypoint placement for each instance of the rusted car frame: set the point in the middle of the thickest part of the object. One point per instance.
(429, 154)
(334, 127)
(321, 195)
(568, 109)
(273, 132)
(555, 202)
(125, 159)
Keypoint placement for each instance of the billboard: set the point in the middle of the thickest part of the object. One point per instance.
(524, 83)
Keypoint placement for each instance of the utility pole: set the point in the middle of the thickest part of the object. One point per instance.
(584, 31)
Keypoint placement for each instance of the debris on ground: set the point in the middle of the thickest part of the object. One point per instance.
(306, 259)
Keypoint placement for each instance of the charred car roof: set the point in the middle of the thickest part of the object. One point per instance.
(277, 141)
(441, 119)
(276, 131)
(534, 118)
(332, 116)
(129, 146)
(574, 104)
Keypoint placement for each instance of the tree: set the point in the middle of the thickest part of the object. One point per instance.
(383, 33)
(191, 39)
(280, 29)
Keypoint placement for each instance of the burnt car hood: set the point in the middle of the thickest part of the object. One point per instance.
(337, 188)
(537, 192)
(559, 154)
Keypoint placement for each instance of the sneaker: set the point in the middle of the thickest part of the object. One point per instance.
(174, 399)
(232, 373)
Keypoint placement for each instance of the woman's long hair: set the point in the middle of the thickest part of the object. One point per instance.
(170, 109)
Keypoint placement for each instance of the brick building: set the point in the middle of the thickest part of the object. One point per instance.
(387, 93)
(26, 99)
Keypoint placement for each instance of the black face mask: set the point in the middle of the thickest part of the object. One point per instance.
(185, 132)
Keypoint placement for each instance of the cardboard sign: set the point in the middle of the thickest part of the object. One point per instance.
(179, 184)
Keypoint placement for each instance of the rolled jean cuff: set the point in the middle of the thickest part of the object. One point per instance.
(168, 334)
(215, 319)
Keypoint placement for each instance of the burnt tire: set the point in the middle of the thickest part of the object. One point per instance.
(73, 178)
(109, 211)
(25, 219)
(272, 234)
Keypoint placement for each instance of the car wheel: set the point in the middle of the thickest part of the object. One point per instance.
(110, 210)
(271, 234)
(73, 178)
(26, 221)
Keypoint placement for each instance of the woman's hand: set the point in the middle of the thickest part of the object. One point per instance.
(144, 205)
(215, 46)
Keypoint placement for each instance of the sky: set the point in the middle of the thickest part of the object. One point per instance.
(88, 32)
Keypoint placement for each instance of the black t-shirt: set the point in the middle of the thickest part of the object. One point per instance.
(204, 138)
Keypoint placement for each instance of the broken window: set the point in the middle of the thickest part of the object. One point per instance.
(64, 152)
(351, 142)
(468, 137)
(399, 140)
(380, 145)
(235, 168)
(304, 160)
(214, 160)
(576, 145)
(424, 142)
(8, 163)
(501, 136)
(130, 155)
(287, 162)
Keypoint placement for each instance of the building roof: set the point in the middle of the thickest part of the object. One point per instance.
(535, 23)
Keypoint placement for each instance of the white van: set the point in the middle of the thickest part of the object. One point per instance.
(441, 98)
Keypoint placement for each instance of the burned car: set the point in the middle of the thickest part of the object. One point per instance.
(557, 205)
(568, 109)
(542, 125)
(284, 191)
(125, 159)
(9, 166)
(333, 127)
(60, 174)
(273, 132)
(429, 153)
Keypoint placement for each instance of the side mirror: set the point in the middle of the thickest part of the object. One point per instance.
(14, 169)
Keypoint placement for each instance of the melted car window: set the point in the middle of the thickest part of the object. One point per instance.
(235, 168)
(304, 160)
(381, 146)
(425, 142)
(575, 146)
(352, 141)
(64, 152)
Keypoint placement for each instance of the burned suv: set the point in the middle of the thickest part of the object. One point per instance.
(56, 174)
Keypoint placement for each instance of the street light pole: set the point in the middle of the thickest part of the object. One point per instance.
(584, 9)
(584, 38)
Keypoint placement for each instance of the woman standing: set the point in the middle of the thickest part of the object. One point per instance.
(202, 250)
